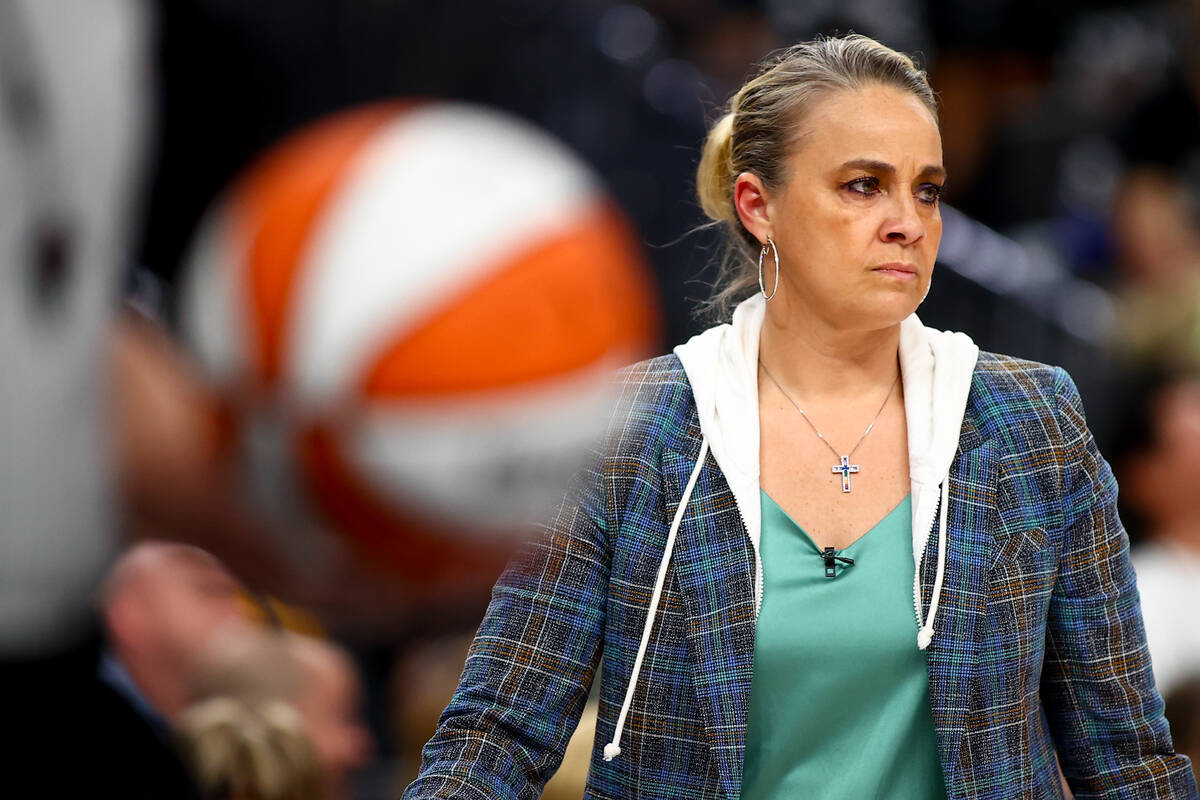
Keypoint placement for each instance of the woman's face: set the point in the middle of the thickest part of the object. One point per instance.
(857, 221)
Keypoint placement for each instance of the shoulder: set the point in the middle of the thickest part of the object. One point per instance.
(653, 400)
(1008, 376)
(665, 371)
(1012, 397)
(1007, 380)
(660, 382)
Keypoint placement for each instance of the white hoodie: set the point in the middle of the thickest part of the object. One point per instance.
(722, 367)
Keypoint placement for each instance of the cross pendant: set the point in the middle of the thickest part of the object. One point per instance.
(847, 469)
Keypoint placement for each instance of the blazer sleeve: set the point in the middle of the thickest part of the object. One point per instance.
(1104, 712)
(530, 666)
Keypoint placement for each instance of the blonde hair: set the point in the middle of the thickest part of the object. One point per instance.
(764, 121)
(249, 752)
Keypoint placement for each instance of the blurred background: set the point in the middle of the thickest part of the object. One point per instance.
(1072, 236)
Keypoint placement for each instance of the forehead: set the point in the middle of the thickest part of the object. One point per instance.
(875, 122)
(188, 568)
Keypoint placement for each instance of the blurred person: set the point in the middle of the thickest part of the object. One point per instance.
(1160, 476)
(1155, 220)
(330, 705)
(164, 605)
(73, 119)
(1157, 238)
(72, 123)
(161, 606)
(314, 676)
(933, 614)
(1183, 709)
(249, 752)
(1154, 223)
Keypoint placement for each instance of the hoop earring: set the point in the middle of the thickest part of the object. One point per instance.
(761, 255)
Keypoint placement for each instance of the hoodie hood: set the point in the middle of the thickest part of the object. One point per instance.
(722, 366)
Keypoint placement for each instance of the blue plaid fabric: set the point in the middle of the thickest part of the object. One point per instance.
(1039, 643)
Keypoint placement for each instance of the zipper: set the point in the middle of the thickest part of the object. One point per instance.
(758, 573)
(917, 577)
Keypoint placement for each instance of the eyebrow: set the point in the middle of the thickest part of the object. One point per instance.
(872, 165)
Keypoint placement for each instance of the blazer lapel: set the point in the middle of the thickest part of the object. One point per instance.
(953, 654)
(713, 565)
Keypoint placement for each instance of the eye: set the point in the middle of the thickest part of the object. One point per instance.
(929, 193)
(867, 186)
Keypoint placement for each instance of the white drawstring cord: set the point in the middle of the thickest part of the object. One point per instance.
(613, 749)
(925, 636)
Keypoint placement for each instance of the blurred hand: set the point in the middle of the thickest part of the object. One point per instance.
(165, 472)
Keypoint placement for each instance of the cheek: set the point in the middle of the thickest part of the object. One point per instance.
(844, 221)
(831, 238)
(808, 217)
(933, 236)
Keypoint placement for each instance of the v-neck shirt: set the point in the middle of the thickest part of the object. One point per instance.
(839, 704)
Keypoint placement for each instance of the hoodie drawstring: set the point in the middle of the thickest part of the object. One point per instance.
(925, 636)
(613, 748)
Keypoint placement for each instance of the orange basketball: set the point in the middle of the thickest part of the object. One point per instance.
(412, 312)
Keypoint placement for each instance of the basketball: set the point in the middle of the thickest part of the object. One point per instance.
(410, 314)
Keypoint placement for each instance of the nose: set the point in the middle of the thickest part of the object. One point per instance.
(904, 223)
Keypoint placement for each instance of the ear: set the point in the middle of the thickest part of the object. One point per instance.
(753, 206)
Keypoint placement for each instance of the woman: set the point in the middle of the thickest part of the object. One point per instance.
(740, 553)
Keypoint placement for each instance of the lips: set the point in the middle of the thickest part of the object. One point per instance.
(897, 270)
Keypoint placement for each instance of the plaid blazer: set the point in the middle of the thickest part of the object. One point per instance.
(1040, 644)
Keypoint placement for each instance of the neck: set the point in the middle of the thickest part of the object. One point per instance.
(819, 361)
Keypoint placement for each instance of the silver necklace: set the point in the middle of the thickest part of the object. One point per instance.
(844, 467)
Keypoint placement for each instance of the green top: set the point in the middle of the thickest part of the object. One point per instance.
(839, 706)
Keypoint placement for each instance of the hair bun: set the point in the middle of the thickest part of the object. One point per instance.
(714, 181)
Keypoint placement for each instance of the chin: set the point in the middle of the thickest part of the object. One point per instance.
(867, 322)
(891, 310)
